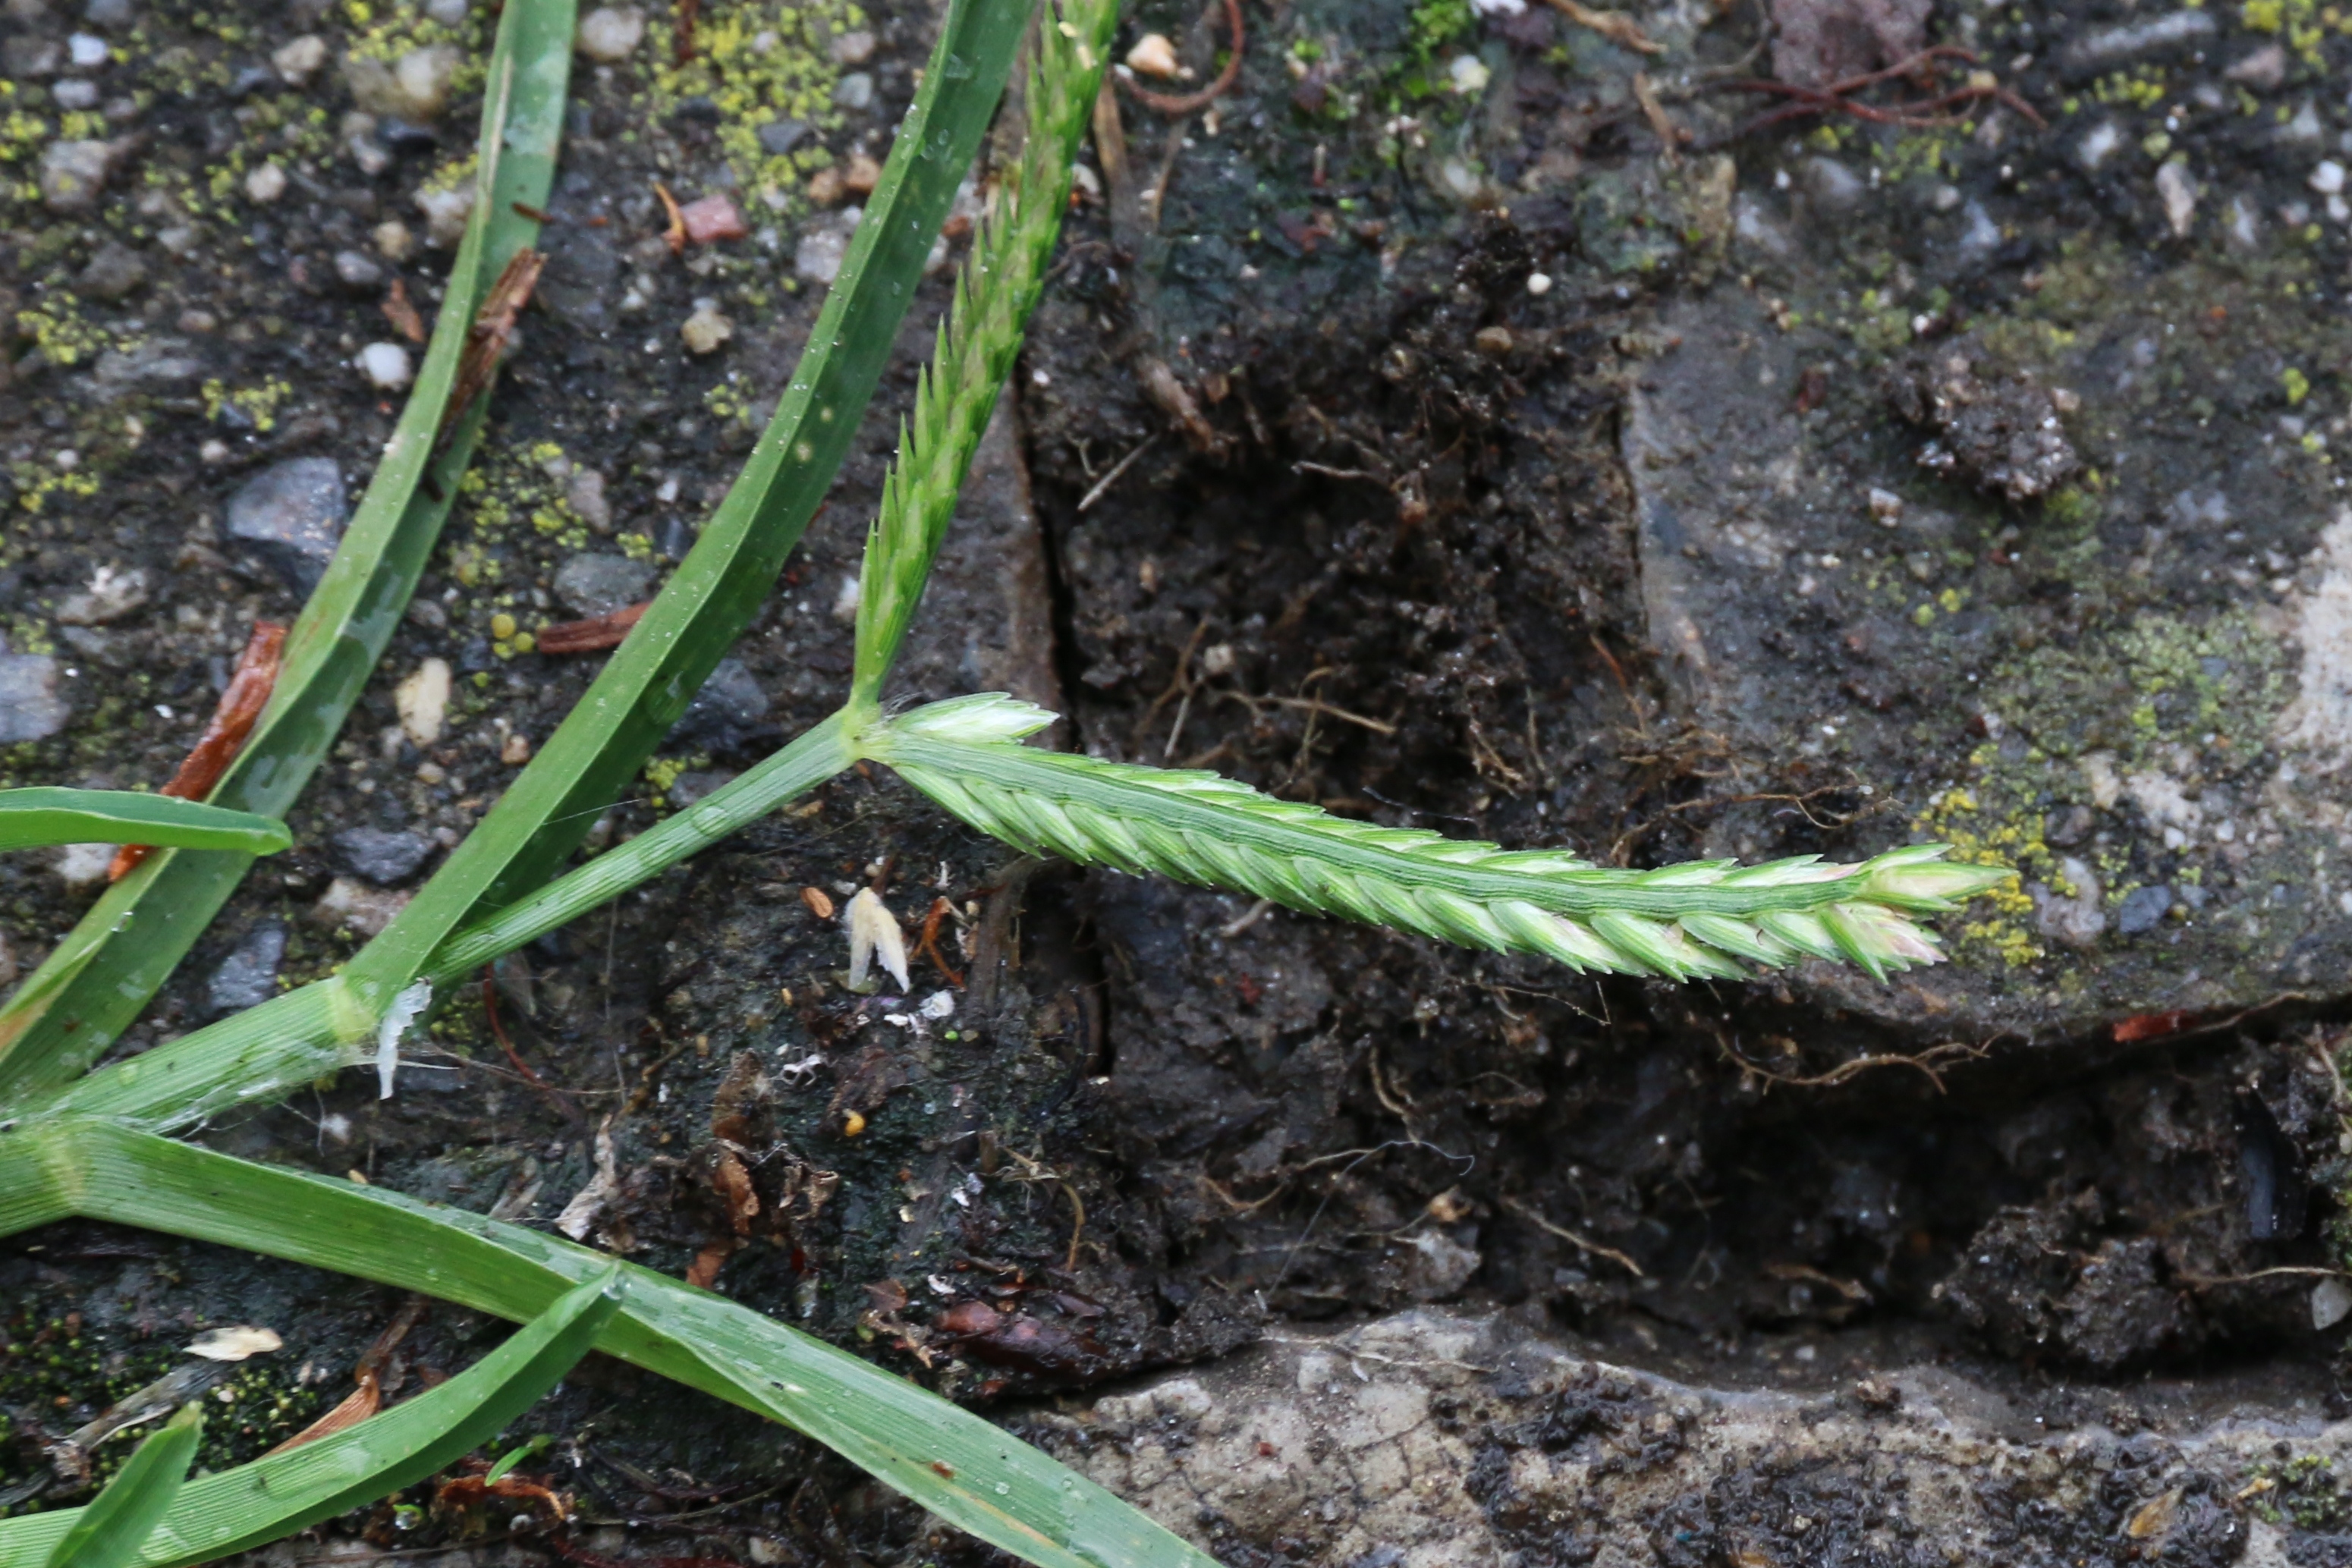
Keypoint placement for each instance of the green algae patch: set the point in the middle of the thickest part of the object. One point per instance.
(755, 64)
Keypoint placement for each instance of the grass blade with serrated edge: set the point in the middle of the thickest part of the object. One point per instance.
(1199, 828)
(256, 1503)
(267, 1051)
(970, 1473)
(995, 292)
(99, 976)
(111, 1531)
(582, 768)
(49, 815)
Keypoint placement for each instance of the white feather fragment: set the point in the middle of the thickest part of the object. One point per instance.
(874, 934)
(396, 1019)
(236, 1343)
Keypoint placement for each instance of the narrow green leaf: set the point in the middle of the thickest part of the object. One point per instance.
(98, 977)
(970, 1473)
(641, 692)
(111, 1531)
(1682, 922)
(995, 293)
(256, 1503)
(57, 816)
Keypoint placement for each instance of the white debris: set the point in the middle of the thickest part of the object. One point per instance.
(938, 1005)
(236, 1343)
(589, 1200)
(386, 366)
(1469, 74)
(874, 934)
(403, 1012)
(845, 602)
(2179, 194)
(2328, 178)
(1153, 56)
(266, 184)
(422, 700)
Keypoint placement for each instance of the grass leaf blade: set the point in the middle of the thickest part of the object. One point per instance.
(582, 768)
(111, 1531)
(99, 976)
(273, 1496)
(29, 817)
(970, 1473)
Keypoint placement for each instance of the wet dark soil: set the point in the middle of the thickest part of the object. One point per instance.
(1492, 464)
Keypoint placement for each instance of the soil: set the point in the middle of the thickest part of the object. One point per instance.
(1436, 432)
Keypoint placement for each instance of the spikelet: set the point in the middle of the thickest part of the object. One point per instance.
(1702, 918)
(974, 350)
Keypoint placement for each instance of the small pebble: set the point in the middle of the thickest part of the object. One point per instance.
(75, 94)
(393, 241)
(852, 48)
(1153, 56)
(108, 14)
(779, 137)
(72, 175)
(706, 329)
(386, 366)
(517, 749)
(266, 184)
(298, 61)
(612, 32)
(2178, 194)
(826, 187)
(2331, 1303)
(85, 50)
(820, 253)
(449, 12)
(445, 213)
(422, 701)
(2328, 178)
(1539, 283)
(358, 270)
(712, 218)
(214, 451)
(1886, 506)
(114, 272)
(854, 91)
(861, 176)
(423, 76)
(1495, 340)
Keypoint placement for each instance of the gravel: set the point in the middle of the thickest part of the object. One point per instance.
(72, 175)
(288, 518)
(384, 857)
(612, 32)
(248, 975)
(30, 708)
(591, 584)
